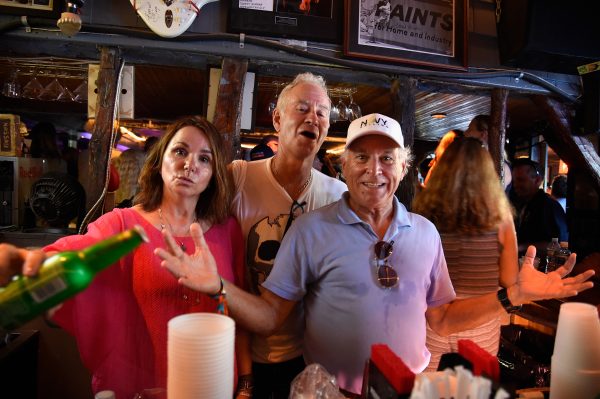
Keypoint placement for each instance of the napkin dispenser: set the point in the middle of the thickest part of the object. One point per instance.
(387, 377)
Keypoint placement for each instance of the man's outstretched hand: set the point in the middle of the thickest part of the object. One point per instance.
(534, 285)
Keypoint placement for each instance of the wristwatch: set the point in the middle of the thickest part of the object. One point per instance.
(245, 385)
(502, 295)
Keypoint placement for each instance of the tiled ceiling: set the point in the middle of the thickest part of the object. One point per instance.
(458, 108)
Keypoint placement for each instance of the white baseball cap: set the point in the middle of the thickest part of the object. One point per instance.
(376, 124)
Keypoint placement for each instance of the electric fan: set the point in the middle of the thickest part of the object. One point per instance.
(57, 198)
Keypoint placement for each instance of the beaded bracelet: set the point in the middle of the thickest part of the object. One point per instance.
(221, 296)
(220, 292)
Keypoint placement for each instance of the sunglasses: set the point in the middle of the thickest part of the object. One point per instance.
(296, 210)
(386, 275)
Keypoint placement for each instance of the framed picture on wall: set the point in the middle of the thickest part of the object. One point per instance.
(424, 32)
(38, 8)
(317, 20)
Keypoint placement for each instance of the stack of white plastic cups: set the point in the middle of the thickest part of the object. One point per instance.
(200, 356)
(576, 357)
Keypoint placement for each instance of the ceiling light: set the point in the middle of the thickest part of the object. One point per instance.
(438, 115)
(69, 22)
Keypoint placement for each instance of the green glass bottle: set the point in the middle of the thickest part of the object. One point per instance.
(62, 276)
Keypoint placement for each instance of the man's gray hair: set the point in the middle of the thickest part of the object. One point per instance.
(305, 77)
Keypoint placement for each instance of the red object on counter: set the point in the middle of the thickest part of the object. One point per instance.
(484, 363)
(114, 179)
(393, 368)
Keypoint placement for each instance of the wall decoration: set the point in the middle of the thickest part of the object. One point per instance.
(424, 32)
(318, 20)
(38, 8)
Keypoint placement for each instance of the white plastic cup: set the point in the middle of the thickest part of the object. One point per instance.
(576, 359)
(200, 349)
(567, 383)
(577, 340)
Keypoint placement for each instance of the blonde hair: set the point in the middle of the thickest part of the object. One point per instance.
(446, 140)
(464, 194)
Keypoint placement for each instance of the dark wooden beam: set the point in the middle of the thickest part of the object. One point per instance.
(497, 129)
(229, 104)
(577, 151)
(103, 134)
(402, 95)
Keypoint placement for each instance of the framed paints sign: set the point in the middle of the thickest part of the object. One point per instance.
(318, 20)
(424, 32)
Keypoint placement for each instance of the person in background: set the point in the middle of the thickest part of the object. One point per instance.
(43, 141)
(271, 141)
(269, 195)
(267, 147)
(323, 163)
(69, 154)
(149, 143)
(465, 201)
(479, 128)
(559, 190)
(260, 151)
(120, 320)
(539, 218)
(446, 140)
(129, 165)
(379, 278)
(318, 162)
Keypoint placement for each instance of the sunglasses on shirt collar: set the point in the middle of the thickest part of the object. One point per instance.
(386, 275)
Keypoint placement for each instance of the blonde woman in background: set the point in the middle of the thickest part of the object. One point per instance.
(446, 140)
(465, 200)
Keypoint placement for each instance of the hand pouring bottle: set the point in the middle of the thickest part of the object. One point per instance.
(62, 276)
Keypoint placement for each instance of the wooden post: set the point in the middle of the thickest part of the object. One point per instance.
(402, 95)
(497, 129)
(102, 136)
(578, 152)
(229, 104)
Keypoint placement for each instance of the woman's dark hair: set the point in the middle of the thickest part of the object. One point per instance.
(482, 122)
(214, 203)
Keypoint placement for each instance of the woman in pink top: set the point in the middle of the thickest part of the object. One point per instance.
(120, 321)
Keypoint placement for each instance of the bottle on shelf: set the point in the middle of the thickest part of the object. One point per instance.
(562, 254)
(551, 251)
(62, 276)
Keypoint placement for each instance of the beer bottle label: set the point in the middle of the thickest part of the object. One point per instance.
(47, 290)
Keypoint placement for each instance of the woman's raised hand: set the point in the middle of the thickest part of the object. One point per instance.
(197, 271)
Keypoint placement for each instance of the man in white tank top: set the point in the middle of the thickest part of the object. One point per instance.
(269, 195)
